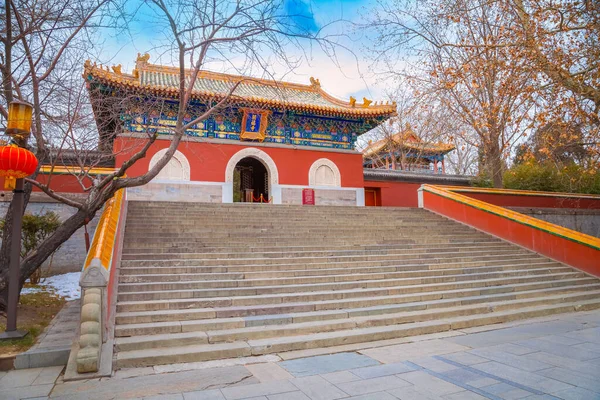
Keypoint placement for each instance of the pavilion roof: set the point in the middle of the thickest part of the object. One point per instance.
(407, 141)
(164, 80)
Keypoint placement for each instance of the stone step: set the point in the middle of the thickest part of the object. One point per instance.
(227, 308)
(130, 283)
(201, 244)
(262, 286)
(399, 256)
(248, 249)
(396, 318)
(145, 322)
(301, 293)
(322, 253)
(204, 352)
(316, 269)
(322, 275)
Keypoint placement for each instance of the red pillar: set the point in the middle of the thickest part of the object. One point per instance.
(443, 167)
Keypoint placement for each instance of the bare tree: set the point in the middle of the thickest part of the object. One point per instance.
(43, 43)
(463, 60)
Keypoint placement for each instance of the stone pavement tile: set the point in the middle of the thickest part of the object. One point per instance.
(268, 372)
(559, 350)
(381, 370)
(465, 358)
(522, 332)
(412, 393)
(25, 392)
(436, 365)
(573, 378)
(132, 372)
(325, 364)
(524, 378)
(589, 335)
(213, 394)
(289, 396)
(152, 385)
(176, 396)
(479, 383)
(366, 386)
(577, 394)
(562, 339)
(588, 346)
(585, 368)
(407, 351)
(374, 396)
(463, 376)
(19, 378)
(258, 389)
(48, 375)
(317, 388)
(521, 362)
(512, 349)
(340, 377)
(229, 362)
(466, 395)
(506, 391)
(430, 384)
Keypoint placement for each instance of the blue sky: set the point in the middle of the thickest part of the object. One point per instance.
(351, 75)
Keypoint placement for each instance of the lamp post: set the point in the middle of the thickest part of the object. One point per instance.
(16, 163)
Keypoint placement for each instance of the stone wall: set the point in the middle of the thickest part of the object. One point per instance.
(584, 221)
(323, 197)
(71, 255)
(173, 191)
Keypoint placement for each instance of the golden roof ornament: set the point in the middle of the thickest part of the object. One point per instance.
(366, 102)
(142, 59)
(117, 69)
(315, 83)
(352, 101)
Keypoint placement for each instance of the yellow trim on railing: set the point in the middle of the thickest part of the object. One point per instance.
(60, 169)
(104, 238)
(449, 192)
(463, 189)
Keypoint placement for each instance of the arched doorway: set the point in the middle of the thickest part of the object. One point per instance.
(250, 181)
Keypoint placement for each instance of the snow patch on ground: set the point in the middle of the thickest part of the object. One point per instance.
(66, 285)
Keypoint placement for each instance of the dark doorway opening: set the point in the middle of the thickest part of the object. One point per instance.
(250, 179)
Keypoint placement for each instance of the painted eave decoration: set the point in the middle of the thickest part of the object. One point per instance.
(164, 80)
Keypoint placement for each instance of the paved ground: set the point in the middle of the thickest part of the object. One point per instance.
(553, 358)
(54, 344)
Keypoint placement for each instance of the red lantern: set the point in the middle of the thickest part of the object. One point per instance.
(16, 162)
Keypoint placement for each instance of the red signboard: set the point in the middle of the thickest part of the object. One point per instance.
(308, 197)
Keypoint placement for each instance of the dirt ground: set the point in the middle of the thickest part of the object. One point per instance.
(35, 311)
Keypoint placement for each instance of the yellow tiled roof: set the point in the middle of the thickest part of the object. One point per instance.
(165, 80)
(407, 141)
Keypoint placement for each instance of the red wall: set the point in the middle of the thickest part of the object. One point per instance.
(513, 200)
(396, 194)
(572, 253)
(209, 160)
(61, 183)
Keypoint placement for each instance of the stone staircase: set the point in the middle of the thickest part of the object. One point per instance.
(201, 282)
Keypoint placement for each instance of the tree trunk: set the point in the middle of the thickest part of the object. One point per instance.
(35, 259)
(5, 247)
(494, 166)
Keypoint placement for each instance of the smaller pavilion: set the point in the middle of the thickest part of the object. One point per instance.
(405, 151)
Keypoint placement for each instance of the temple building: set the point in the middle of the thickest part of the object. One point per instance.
(268, 140)
(405, 151)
